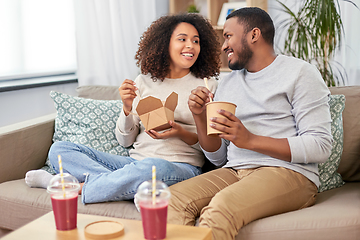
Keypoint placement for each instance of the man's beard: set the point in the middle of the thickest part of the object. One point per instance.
(243, 57)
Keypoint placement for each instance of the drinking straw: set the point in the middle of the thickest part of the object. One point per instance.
(153, 184)
(61, 175)
(207, 86)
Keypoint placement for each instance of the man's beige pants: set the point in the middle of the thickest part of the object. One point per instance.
(227, 199)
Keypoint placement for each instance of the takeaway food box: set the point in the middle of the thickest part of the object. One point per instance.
(156, 114)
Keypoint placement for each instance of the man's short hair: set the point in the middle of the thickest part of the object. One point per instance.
(252, 17)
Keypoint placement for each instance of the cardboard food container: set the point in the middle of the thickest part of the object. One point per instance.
(155, 114)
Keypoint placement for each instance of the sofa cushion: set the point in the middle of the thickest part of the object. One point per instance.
(349, 167)
(334, 216)
(329, 177)
(87, 121)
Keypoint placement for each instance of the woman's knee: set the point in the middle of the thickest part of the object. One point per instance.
(60, 148)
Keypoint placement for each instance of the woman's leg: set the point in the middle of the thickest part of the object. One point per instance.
(190, 196)
(79, 160)
(109, 177)
(259, 193)
(122, 184)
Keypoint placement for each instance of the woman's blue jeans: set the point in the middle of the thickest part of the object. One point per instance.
(109, 177)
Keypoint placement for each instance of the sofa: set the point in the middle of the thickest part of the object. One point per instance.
(336, 214)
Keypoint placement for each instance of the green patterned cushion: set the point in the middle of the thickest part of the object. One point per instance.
(329, 177)
(87, 121)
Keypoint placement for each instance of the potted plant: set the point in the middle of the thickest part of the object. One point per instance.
(313, 34)
(192, 9)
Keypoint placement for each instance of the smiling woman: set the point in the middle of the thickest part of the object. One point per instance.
(40, 38)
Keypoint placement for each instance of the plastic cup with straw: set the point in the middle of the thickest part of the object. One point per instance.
(153, 198)
(64, 190)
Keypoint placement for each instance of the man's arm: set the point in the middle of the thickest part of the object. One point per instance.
(197, 100)
(234, 131)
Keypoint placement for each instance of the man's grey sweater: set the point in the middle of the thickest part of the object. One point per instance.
(287, 99)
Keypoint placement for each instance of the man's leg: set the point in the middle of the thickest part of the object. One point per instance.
(259, 193)
(190, 196)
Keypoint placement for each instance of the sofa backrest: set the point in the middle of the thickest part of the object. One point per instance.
(99, 92)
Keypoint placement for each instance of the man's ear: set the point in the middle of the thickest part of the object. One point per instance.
(255, 35)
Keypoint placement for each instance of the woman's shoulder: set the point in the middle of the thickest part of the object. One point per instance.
(142, 77)
(212, 82)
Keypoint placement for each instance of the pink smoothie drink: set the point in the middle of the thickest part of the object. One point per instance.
(154, 219)
(65, 210)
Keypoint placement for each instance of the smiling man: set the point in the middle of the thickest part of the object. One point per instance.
(270, 149)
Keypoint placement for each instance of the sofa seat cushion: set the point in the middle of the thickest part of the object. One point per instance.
(334, 216)
(21, 205)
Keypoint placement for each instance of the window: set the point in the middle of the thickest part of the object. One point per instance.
(37, 38)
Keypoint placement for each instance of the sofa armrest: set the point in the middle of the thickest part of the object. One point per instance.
(24, 146)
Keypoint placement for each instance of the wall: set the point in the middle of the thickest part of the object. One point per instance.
(21, 105)
(16, 106)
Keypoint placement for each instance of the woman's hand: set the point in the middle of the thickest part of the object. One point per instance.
(175, 131)
(127, 93)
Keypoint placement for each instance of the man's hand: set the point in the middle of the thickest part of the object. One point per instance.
(232, 128)
(198, 98)
(234, 131)
(197, 101)
(127, 93)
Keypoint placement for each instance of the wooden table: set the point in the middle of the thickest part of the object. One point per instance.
(44, 228)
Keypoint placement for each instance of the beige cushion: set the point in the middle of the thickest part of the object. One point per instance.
(349, 167)
(99, 92)
(21, 204)
(334, 216)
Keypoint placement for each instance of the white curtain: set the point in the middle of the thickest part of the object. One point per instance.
(349, 55)
(107, 35)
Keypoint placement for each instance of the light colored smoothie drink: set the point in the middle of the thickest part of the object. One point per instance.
(65, 210)
(153, 208)
(64, 193)
(154, 219)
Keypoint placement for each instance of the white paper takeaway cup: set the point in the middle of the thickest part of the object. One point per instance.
(211, 111)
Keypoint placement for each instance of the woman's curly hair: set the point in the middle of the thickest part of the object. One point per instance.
(153, 54)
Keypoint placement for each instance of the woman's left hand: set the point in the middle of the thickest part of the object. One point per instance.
(174, 131)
